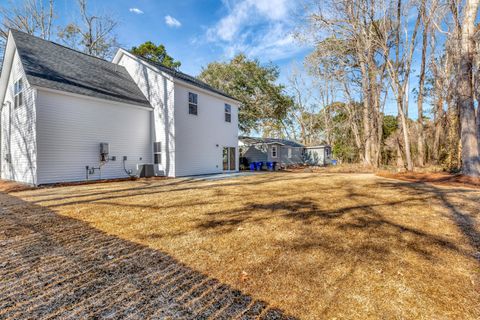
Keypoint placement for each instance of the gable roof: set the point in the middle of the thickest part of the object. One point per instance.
(53, 66)
(285, 142)
(182, 76)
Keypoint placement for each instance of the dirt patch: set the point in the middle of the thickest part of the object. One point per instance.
(438, 178)
(10, 186)
(341, 168)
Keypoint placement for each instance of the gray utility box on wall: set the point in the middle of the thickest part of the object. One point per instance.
(104, 148)
(146, 170)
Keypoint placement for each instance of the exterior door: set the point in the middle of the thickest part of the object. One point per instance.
(229, 159)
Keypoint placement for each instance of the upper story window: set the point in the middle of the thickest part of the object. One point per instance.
(18, 93)
(274, 151)
(228, 113)
(192, 103)
(157, 152)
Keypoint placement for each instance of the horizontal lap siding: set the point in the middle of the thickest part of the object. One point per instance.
(200, 139)
(315, 156)
(158, 89)
(255, 154)
(18, 131)
(70, 129)
(296, 155)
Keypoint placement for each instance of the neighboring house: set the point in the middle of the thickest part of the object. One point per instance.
(285, 152)
(196, 124)
(59, 105)
(318, 155)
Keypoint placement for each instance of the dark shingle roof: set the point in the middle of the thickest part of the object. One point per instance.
(253, 140)
(50, 65)
(184, 77)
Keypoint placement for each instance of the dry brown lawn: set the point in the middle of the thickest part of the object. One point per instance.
(316, 245)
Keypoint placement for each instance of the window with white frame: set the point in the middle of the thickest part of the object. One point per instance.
(157, 152)
(289, 153)
(228, 113)
(274, 151)
(18, 93)
(192, 103)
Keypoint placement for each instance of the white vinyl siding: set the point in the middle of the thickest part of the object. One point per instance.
(200, 140)
(70, 130)
(18, 125)
(158, 89)
(191, 145)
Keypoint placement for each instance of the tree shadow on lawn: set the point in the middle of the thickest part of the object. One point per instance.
(153, 188)
(55, 266)
(365, 218)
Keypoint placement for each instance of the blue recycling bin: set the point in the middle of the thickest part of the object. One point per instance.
(270, 166)
(252, 166)
(259, 166)
(334, 162)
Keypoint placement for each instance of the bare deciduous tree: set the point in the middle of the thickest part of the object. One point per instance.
(94, 34)
(30, 16)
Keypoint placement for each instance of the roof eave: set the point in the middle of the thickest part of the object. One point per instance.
(73, 94)
(121, 51)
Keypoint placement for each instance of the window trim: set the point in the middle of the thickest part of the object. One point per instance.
(228, 114)
(193, 103)
(157, 151)
(272, 152)
(18, 94)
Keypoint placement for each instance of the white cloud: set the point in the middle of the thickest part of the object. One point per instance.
(248, 12)
(172, 22)
(258, 28)
(135, 10)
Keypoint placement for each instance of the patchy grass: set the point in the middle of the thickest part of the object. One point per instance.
(346, 246)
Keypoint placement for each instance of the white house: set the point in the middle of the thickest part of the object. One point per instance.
(196, 125)
(68, 116)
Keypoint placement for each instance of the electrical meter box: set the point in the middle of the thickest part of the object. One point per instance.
(104, 148)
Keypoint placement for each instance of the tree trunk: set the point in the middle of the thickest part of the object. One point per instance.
(406, 138)
(438, 121)
(421, 86)
(468, 125)
(367, 132)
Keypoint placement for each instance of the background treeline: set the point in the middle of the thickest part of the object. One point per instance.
(418, 54)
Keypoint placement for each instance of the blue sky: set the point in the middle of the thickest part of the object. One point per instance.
(197, 32)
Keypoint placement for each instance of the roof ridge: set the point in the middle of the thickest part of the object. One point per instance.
(180, 73)
(61, 45)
